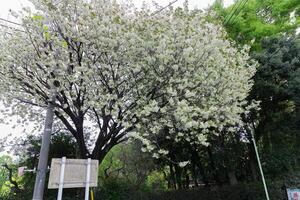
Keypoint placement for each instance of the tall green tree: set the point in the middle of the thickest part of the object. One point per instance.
(246, 20)
(277, 87)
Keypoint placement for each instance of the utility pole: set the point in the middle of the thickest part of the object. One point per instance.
(260, 167)
(39, 185)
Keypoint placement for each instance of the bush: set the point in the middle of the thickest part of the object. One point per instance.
(119, 189)
(252, 191)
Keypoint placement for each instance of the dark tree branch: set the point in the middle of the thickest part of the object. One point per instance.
(10, 177)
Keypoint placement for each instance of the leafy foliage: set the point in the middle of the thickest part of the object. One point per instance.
(256, 19)
(275, 86)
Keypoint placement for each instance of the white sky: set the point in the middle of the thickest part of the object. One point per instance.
(6, 5)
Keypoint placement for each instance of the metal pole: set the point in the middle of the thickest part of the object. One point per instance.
(88, 175)
(61, 178)
(42, 165)
(92, 195)
(260, 167)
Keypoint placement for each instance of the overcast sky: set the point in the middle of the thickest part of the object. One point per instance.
(6, 5)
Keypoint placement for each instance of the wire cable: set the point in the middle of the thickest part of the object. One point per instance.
(236, 10)
(9, 27)
(10, 21)
(230, 12)
(239, 12)
(160, 10)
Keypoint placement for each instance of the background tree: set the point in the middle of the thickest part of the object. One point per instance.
(9, 185)
(276, 83)
(273, 24)
(246, 20)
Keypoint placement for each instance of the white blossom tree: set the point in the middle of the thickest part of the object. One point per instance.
(116, 70)
(207, 91)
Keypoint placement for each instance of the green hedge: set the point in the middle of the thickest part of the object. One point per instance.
(253, 191)
(238, 192)
(121, 190)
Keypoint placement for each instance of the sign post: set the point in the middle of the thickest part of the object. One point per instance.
(61, 178)
(88, 174)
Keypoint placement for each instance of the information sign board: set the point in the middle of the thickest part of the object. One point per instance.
(75, 173)
(293, 194)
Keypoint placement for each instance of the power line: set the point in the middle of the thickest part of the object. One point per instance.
(170, 4)
(238, 9)
(11, 145)
(9, 27)
(10, 21)
(230, 12)
(238, 4)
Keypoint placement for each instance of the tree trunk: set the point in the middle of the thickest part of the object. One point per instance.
(172, 176)
(187, 179)
(212, 166)
(252, 161)
(204, 177)
(232, 178)
(178, 174)
(194, 173)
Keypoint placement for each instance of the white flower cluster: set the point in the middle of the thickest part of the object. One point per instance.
(208, 80)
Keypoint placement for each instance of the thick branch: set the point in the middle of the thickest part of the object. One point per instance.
(10, 177)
